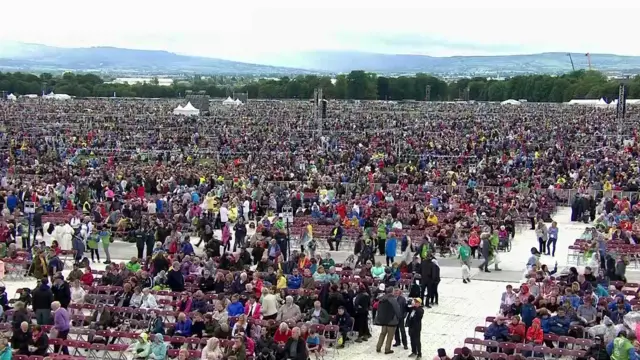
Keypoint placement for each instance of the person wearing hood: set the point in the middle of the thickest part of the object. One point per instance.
(528, 311)
(141, 347)
(158, 348)
(535, 335)
(212, 351)
(598, 351)
(42, 297)
(391, 248)
(622, 347)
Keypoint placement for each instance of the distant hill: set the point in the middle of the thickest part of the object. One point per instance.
(15, 56)
(544, 63)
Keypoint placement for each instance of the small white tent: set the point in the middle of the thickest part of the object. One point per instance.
(187, 110)
(510, 102)
(178, 110)
(12, 97)
(238, 102)
(229, 101)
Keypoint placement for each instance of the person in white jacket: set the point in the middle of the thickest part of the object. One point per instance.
(148, 300)
(269, 305)
(77, 294)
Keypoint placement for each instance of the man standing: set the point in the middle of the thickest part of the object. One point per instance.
(400, 331)
(426, 279)
(464, 252)
(388, 316)
(414, 323)
(486, 245)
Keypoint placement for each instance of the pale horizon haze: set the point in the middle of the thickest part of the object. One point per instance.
(259, 31)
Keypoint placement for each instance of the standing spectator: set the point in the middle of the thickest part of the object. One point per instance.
(400, 331)
(61, 324)
(553, 239)
(61, 291)
(432, 293)
(42, 299)
(414, 323)
(542, 236)
(362, 305)
(388, 317)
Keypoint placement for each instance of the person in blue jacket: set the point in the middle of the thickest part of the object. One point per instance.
(235, 308)
(528, 311)
(390, 248)
(183, 326)
(12, 202)
(619, 299)
(497, 331)
(295, 280)
(560, 323)
(186, 247)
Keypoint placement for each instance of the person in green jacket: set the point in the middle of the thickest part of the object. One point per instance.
(464, 254)
(105, 239)
(382, 237)
(158, 348)
(92, 243)
(140, 348)
(133, 265)
(621, 348)
(327, 262)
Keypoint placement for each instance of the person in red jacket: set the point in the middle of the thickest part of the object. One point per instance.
(516, 330)
(534, 333)
(283, 334)
(87, 277)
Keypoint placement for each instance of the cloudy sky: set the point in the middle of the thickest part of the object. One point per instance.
(251, 30)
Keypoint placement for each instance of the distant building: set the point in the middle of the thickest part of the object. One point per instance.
(132, 81)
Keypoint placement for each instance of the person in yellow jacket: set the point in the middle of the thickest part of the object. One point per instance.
(282, 281)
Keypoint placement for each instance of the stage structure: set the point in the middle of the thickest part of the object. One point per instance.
(199, 100)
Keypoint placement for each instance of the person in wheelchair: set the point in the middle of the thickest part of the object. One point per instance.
(504, 243)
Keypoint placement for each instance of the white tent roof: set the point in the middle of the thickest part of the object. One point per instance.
(179, 108)
(238, 102)
(229, 100)
(189, 107)
(12, 97)
(510, 102)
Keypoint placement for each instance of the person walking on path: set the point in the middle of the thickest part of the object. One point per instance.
(388, 317)
(414, 323)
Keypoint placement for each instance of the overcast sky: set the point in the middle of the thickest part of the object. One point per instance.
(250, 30)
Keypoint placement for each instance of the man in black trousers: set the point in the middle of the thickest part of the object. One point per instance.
(414, 323)
(401, 334)
(426, 280)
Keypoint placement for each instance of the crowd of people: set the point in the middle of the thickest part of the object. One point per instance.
(410, 182)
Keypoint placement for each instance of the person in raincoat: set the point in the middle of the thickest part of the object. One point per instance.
(158, 349)
(141, 347)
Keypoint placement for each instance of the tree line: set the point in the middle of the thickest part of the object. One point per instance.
(355, 85)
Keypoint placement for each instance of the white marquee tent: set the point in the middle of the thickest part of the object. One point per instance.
(12, 97)
(238, 102)
(187, 110)
(229, 101)
(53, 96)
(178, 110)
(510, 102)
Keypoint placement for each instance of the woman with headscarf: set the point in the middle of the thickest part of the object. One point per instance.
(158, 348)
(212, 350)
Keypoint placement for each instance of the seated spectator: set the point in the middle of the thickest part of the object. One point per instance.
(308, 281)
(497, 331)
(77, 293)
(148, 300)
(136, 298)
(295, 280)
(40, 342)
(140, 349)
(22, 339)
(283, 334)
(345, 322)
(235, 308)
(238, 350)
(185, 302)
(289, 311)
(241, 325)
(516, 330)
(183, 326)
(199, 303)
(560, 323)
(318, 315)
(197, 326)
(587, 313)
(133, 265)
(175, 279)
(252, 308)
(87, 277)
(313, 342)
(320, 275)
(377, 272)
(156, 324)
(212, 351)
(158, 349)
